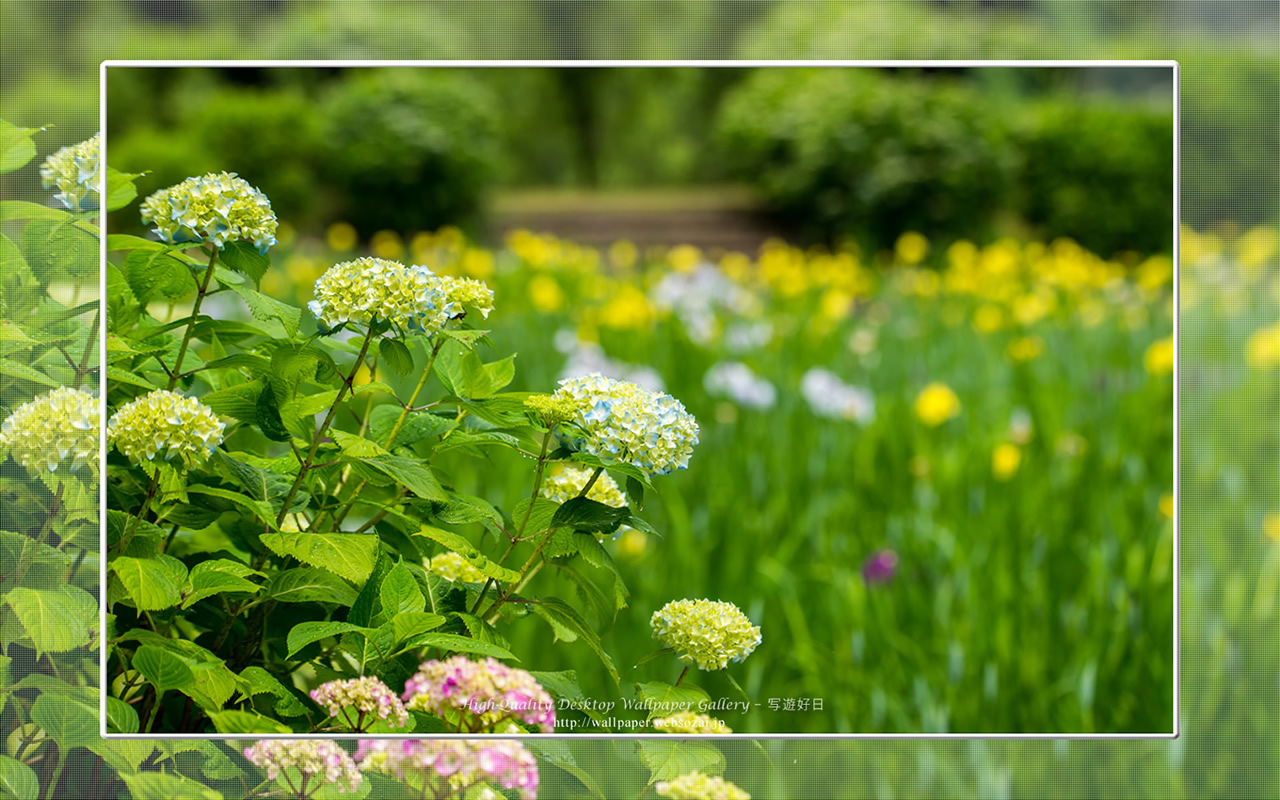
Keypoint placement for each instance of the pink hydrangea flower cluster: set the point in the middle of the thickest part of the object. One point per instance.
(483, 694)
(460, 762)
(311, 757)
(368, 697)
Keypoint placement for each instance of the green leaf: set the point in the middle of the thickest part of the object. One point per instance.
(463, 644)
(21, 209)
(153, 583)
(348, 555)
(563, 618)
(270, 421)
(21, 371)
(12, 263)
(564, 686)
(17, 779)
(396, 356)
(238, 402)
(244, 258)
(121, 718)
(399, 594)
(670, 758)
(123, 755)
(304, 633)
(69, 721)
(260, 483)
(120, 189)
(460, 545)
(16, 149)
(266, 308)
(407, 626)
(219, 576)
(56, 620)
(417, 426)
(472, 441)
(162, 669)
(126, 241)
(172, 786)
(357, 446)
(663, 699)
(309, 585)
(557, 752)
(582, 514)
(635, 493)
(55, 249)
(155, 274)
(410, 473)
(258, 508)
(259, 681)
(466, 376)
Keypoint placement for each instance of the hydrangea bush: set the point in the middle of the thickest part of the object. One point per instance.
(281, 523)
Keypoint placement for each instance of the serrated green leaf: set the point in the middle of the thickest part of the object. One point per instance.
(583, 514)
(259, 681)
(15, 369)
(219, 576)
(258, 508)
(17, 779)
(69, 721)
(463, 644)
(348, 555)
(56, 620)
(663, 699)
(304, 633)
(418, 425)
(406, 626)
(410, 473)
(396, 356)
(460, 545)
(172, 786)
(670, 758)
(153, 583)
(21, 209)
(238, 402)
(562, 617)
(162, 669)
(266, 309)
(399, 594)
(244, 258)
(55, 249)
(121, 718)
(309, 585)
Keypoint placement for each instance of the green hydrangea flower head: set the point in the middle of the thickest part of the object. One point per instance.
(453, 567)
(167, 424)
(217, 208)
(412, 298)
(709, 633)
(697, 786)
(57, 426)
(563, 482)
(74, 171)
(622, 421)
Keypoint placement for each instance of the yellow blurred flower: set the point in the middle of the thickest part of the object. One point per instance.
(684, 258)
(1253, 250)
(1031, 308)
(936, 404)
(627, 308)
(1166, 505)
(477, 263)
(545, 294)
(341, 236)
(911, 248)
(1092, 313)
(623, 254)
(988, 318)
(632, 542)
(286, 234)
(1271, 527)
(1025, 348)
(835, 304)
(1159, 357)
(735, 265)
(1263, 350)
(1005, 460)
(386, 244)
(1154, 272)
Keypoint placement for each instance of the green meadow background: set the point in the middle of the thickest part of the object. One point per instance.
(1228, 392)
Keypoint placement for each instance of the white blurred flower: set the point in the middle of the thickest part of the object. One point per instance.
(736, 381)
(828, 396)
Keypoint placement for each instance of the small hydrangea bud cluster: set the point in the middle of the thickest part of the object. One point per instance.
(74, 170)
(164, 422)
(622, 421)
(553, 410)
(468, 292)
(461, 762)
(483, 693)
(366, 290)
(563, 482)
(215, 208)
(41, 433)
(311, 757)
(453, 567)
(369, 697)
(689, 722)
(705, 632)
(696, 786)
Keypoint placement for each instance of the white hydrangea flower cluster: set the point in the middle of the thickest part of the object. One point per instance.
(690, 722)
(42, 433)
(166, 423)
(708, 633)
(217, 208)
(697, 786)
(413, 299)
(74, 170)
(369, 697)
(621, 421)
(311, 757)
(563, 482)
(453, 567)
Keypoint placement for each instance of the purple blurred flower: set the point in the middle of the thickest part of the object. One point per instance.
(880, 567)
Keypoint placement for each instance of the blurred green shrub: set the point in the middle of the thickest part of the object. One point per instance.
(840, 152)
(409, 149)
(868, 153)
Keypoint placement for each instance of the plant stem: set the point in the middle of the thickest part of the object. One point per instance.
(591, 482)
(324, 428)
(683, 672)
(191, 323)
(155, 711)
(28, 555)
(83, 367)
(57, 773)
(146, 506)
(340, 515)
